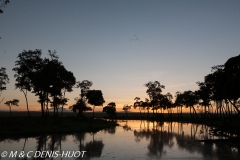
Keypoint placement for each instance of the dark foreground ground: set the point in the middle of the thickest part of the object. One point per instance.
(21, 124)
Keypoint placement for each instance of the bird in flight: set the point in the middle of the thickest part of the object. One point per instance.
(135, 39)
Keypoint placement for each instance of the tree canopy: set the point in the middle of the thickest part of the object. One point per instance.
(46, 77)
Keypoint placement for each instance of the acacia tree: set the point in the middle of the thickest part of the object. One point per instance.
(11, 103)
(95, 98)
(57, 81)
(80, 106)
(47, 78)
(110, 109)
(126, 108)
(154, 89)
(147, 105)
(28, 63)
(216, 82)
(166, 103)
(204, 96)
(189, 100)
(224, 86)
(138, 104)
(84, 87)
(232, 86)
(179, 102)
(3, 80)
(81, 102)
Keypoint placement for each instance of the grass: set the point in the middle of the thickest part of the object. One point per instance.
(22, 126)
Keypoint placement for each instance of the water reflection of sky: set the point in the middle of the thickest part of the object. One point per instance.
(134, 140)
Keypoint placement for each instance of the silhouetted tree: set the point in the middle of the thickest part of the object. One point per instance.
(58, 80)
(204, 96)
(110, 109)
(11, 103)
(95, 98)
(232, 86)
(28, 63)
(216, 82)
(3, 80)
(179, 102)
(147, 105)
(153, 90)
(126, 108)
(3, 3)
(80, 106)
(189, 100)
(138, 104)
(166, 103)
(44, 77)
(84, 87)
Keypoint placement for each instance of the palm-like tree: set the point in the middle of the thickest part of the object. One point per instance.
(11, 103)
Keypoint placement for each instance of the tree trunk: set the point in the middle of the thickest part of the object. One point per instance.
(10, 110)
(195, 112)
(153, 111)
(42, 108)
(25, 94)
(234, 105)
(93, 111)
(62, 104)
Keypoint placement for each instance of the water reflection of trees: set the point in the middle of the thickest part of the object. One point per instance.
(94, 147)
(126, 127)
(161, 137)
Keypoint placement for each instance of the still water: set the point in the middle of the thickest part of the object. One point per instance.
(131, 140)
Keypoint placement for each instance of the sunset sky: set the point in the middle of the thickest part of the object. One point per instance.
(122, 44)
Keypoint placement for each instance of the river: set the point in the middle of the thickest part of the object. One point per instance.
(131, 140)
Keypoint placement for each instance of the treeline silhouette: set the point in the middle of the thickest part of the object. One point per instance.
(217, 97)
(48, 79)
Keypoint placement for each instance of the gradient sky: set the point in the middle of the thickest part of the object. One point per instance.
(179, 42)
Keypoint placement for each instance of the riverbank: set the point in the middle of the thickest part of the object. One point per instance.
(25, 126)
(20, 123)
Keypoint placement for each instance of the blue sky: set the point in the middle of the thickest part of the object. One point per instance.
(179, 42)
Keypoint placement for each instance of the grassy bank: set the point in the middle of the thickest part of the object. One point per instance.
(19, 123)
(25, 126)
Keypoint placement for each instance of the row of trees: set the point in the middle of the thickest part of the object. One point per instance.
(48, 79)
(218, 94)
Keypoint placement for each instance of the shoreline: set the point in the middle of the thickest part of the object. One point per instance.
(21, 124)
